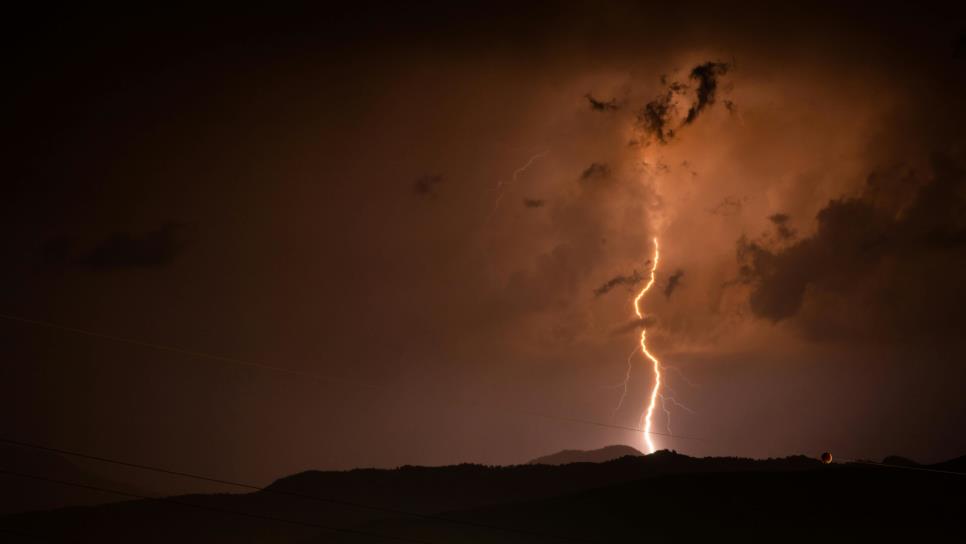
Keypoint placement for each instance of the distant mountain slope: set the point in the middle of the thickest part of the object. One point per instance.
(899, 461)
(602, 455)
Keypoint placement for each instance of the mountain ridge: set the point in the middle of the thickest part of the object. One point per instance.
(600, 455)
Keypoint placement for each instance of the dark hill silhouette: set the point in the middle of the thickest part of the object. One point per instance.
(955, 465)
(899, 461)
(664, 494)
(602, 455)
(851, 503)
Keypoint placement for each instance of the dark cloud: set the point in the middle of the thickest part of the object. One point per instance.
(731, 106)
(597, 170)
(534, 203)
(56, 254)
(630, 281)
(635, 325)
(707, 77)
(780, 221)
(673, 282)
(779, 218)
(730, 205)
(654, 119)
(426, 185)
(872, 267)
(659, 119)
(599, 105)
(154, 249)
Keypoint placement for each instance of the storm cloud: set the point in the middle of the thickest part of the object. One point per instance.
(673, 282)
(782, 230)
(601, 105)
(654, 119)
(706, 76)
(425, 186)
(634, 325)
(596, 170)
(872, 267)
(153, 249)
(661, 120)
(629, 280)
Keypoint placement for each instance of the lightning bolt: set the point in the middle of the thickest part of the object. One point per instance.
(627, 379)
(655, 391)
(501, 185)
(667, 411)
(682, 375)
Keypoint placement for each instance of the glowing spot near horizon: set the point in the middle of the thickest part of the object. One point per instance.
(655, 391)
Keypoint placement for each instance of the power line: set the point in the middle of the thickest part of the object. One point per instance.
(293, 372)
(609, 425)
(253, 487)
(342, 530)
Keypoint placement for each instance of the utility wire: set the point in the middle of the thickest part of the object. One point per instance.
(354, 532)
(252, 487)
(608, 425)
(338, 502)
(251, 515)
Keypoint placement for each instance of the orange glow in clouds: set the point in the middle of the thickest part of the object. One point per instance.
(653, 359)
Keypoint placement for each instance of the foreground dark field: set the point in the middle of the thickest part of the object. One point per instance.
(664, 497)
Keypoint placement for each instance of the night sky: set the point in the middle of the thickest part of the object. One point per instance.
(444, 212)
